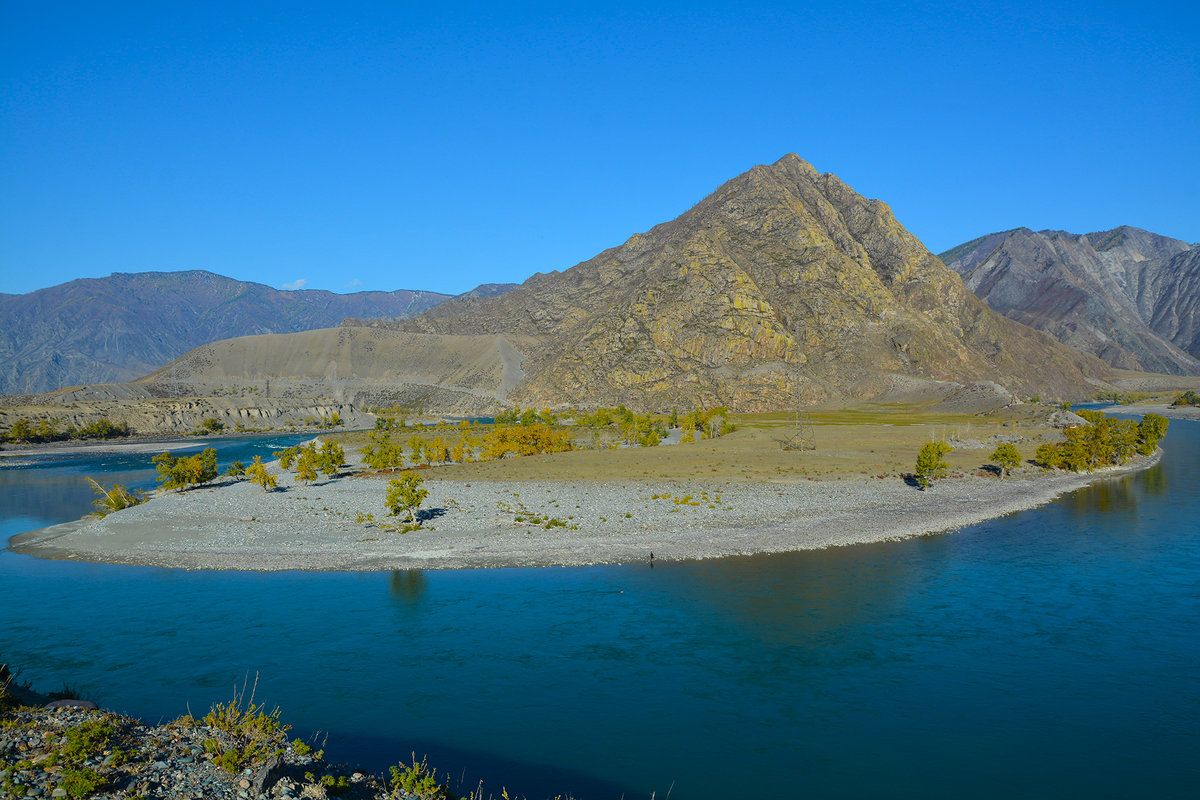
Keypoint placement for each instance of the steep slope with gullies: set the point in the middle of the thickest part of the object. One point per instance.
(1126, 295)
(364, 366)
(100, 330)
(783, 285)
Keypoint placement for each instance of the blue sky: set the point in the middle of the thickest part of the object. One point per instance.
(437, 146)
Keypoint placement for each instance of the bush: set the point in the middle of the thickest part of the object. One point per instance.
(115, 499)
(1188, 398)
(252, 734)
(418, 780)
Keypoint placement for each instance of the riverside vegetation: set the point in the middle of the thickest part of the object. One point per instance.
(240, 748)
(1102, 442)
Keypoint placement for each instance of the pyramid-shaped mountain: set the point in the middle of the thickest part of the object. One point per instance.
(783, 285)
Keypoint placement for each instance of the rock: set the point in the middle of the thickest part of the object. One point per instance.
(267, 775)
(87, 705)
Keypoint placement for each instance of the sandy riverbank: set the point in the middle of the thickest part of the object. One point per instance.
(486, 523)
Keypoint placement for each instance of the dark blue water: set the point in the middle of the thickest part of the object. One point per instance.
(1050, 653)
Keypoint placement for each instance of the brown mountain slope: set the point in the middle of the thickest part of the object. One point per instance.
(1126, 295)
(366, 367)
(783, 283)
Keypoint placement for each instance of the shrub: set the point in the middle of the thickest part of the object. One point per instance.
(115, 499)
(418, 780)
(1188, 398)
(254, 734)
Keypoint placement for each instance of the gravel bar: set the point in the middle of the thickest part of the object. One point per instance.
(322, 526)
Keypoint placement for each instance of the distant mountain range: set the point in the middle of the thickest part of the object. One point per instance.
(782, 285)
(103, 330)
(1127, 295)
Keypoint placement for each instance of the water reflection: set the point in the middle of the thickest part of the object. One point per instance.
(1154, 480)
(407, 585)
(1106, 496)
(800, 597)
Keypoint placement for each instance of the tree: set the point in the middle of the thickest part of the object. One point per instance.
(181, 472)
(236, 470)
(1006, 457)
(258, 475)
(930, 465)
(306, 470)
(1151, 430)
(332, 458)
(382, 453)
(1049, 456)
(405, 494)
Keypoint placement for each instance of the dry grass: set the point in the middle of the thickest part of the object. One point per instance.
(851, 443)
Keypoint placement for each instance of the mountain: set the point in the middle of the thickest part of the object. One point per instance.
(782, 285)
(101, 330)
(366, 367)
(1127, 295)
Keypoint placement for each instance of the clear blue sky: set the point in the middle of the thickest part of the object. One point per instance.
(441, 145)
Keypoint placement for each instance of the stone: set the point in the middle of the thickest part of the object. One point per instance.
(267, 775)
(86, 705)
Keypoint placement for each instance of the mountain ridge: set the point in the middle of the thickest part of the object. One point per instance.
(118, 328)
(783, 284)
(1113, 293)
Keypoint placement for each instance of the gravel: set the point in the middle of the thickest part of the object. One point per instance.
(497, 524)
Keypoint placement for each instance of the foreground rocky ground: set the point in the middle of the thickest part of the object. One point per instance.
(71, 749)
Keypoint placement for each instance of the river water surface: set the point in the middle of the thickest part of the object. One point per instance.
(1050, 653)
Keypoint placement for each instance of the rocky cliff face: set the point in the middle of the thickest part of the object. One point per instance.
(1126, 295)
(783, 284)
(117, 328)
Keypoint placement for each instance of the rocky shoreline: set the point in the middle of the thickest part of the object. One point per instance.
(70, 748)
(336, 524)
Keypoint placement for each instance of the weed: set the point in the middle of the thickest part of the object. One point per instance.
(81, 782)
(255, 734)
(87, 738)
(335, 785)
(417, 779)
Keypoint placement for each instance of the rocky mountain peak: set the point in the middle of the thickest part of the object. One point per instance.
(784, 282)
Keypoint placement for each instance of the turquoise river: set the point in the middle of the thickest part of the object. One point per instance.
(1050, 653)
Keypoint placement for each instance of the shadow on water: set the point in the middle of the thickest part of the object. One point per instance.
(794, 597)
(468, 769)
